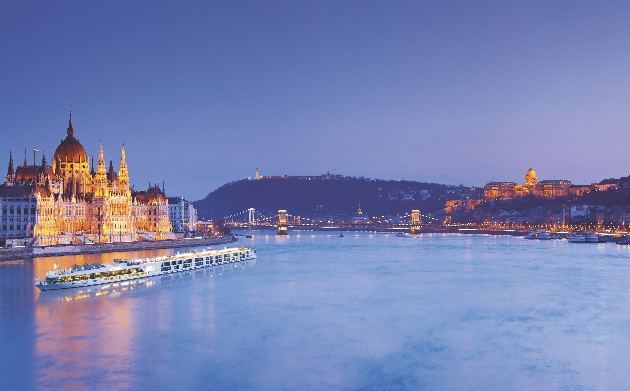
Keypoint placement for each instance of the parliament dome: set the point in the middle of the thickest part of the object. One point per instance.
(70, 150)
(530, 177)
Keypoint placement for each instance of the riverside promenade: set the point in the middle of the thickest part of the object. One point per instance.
(52, 251)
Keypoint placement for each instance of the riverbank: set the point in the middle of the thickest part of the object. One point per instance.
(53, 251)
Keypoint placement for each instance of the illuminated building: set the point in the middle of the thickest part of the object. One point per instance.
(544, 188)
(183, 215)
(499, 190)
(68, 202)
(359, 217)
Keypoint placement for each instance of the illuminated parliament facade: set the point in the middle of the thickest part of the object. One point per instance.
(69, 202)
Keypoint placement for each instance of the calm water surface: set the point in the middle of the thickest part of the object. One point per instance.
(320, 312)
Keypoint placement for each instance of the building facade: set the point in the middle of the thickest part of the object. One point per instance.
(182, 214)
(545, 188)
(67, 202)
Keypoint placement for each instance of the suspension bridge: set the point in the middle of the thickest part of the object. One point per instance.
(251, 218)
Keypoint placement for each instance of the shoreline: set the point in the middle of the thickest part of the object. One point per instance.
(54, 251)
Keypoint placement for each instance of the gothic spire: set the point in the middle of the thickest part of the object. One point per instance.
(25, 163)
(10, 171)
(123, 175)
(70, 130)
(100, 178)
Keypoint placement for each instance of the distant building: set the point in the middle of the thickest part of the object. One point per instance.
(499, 190)
(359, 217)
(182, 214)
(545, 188)
(607, 184)
(552, 188)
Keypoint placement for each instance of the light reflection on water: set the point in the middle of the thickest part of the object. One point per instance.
(316, 311)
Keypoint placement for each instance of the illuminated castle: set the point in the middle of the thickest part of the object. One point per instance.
(546, 188)
(68, 202)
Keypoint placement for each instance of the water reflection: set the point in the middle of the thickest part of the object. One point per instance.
(86, 337)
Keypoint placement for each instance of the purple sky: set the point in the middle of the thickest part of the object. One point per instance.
(202, 94)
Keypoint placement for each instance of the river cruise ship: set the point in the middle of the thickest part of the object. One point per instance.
(125, 269)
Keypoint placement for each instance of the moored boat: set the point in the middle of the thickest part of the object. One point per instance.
(539, 234)
(125, 270)
(576, 238)
(591, 238)
(625, 240)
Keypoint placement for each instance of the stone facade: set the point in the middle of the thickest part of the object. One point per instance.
(69, 203)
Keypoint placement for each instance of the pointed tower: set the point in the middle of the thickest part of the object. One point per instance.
(70, 131)
(43, 173)
(123, 175)
(11, 170)
(100, 179)
(25, 162)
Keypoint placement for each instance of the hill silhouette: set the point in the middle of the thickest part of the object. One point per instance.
(325, 195)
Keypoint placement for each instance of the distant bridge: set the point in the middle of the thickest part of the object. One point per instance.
(253, 218)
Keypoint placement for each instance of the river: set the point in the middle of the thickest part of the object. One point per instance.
(315, 311)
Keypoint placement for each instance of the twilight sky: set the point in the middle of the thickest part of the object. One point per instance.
(203, 93)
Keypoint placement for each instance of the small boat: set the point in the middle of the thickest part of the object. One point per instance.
(403, 234)
(531, 235)
(576, 238)
(539, 234)
(341, 235)
(624, 240)
(591, 238)
(249, 236)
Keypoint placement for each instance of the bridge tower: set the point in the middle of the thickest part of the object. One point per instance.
(282, 222)
(416, 221)
(251, 219)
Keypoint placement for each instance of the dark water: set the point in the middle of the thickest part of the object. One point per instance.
(320, 312)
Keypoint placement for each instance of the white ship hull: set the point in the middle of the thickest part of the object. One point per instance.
(129, 270)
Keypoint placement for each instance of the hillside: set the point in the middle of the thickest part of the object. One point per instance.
(325, 195)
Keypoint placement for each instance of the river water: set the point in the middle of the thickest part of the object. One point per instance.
(315, 311)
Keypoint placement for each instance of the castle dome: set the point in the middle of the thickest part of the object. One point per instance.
(70, 150)
(530, 177)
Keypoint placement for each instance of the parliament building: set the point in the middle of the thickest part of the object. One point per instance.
(69, 202)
